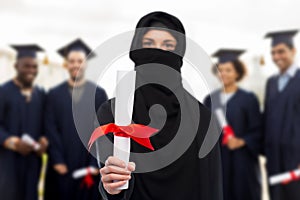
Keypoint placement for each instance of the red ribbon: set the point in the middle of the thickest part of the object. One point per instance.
(138, 132)
(88, 179)
(294, 177)
(227, 134)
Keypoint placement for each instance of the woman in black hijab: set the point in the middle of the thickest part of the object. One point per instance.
(157, 50)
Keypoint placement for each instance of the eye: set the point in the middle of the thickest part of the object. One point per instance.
(170, 45)
(147, 44)
(71, 61)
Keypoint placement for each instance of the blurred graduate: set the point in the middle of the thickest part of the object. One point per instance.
(21, 112)
(282, 115)
(242, 138)
(67, 150)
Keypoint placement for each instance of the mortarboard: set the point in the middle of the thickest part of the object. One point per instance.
(76, 45)
(228, 55)
(285, 37)
(29, 50)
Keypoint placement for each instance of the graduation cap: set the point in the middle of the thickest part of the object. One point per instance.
(29, 50)
(76, 45)
(228, 55)
(285, 37)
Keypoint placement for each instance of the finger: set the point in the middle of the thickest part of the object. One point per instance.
(115, 161)
(28, 148)
(114, 169)
(25, 144)
(115, 177)
(114, 185)
(131, 166)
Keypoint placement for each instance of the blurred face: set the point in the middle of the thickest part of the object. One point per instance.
(227, 74)
(76, 64)
(283, 56)
(27, 70)
(159, 39)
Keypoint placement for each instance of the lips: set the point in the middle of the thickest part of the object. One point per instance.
(279, 62)
(30, 76)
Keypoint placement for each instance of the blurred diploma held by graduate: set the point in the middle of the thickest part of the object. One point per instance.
(285, 178)
(228, 132)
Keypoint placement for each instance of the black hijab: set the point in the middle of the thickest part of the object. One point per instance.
(156, 59)
(187, 177)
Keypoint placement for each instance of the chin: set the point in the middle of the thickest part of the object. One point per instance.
(225, 83)
(74, 76)
(28, 82)
(282, 68)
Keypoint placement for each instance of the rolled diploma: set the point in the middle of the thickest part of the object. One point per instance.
(29, 140)
(276, 179)
(221, 117)
(79, 173)
(123, 114)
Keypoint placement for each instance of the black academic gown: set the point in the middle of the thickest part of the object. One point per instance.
(19, 174)
(188, 177)
(66, 146)
(241, 173)
(281, 134)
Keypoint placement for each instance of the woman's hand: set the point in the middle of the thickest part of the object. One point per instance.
(115, 174)
(235, 143)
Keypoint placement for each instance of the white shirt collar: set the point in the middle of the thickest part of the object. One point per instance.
(291, 71)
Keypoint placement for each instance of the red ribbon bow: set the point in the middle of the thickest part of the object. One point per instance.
(227, 134)
(138, 132)
(88, 180)
(294, 177)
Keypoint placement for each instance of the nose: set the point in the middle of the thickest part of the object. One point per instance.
(158, 46)
(32, 70)
(276, 56)
(76, 65)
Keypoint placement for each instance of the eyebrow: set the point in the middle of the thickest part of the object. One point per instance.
(163, 41)
(169, 41)
(148, 39)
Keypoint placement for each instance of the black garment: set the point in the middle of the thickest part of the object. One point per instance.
(188, 177)
(19, 174)
(66, 143)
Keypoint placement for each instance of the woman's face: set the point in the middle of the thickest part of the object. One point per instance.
(227, 73)
(159, 39)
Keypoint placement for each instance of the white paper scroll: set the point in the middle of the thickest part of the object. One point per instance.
(79, 173)
(287, 176)
(221, 117)
(30, 141)
(123, 113)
